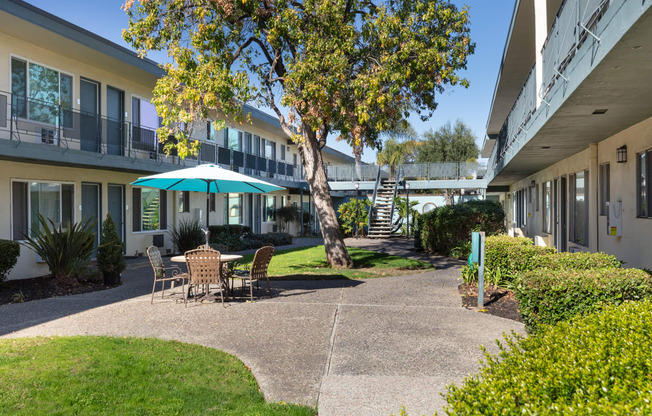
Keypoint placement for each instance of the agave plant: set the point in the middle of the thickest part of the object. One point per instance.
(187, 235)
(66, 251)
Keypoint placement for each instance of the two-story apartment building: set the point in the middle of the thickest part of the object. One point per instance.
(569, 135)
(77, 127)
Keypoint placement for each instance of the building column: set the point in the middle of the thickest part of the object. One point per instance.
(594, 196)
(540, 35)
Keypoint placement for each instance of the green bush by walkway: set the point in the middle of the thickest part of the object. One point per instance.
(547, 296)
(598, 364)
(508, 257)
(127, 376)
(447, 230)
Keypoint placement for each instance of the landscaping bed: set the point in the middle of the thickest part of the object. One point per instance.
(25, 290)
(497, 301)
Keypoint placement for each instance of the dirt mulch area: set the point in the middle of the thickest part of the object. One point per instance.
(497, 301)
(25, 290)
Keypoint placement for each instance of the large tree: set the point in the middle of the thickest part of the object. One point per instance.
(347, 66)
(449, 143)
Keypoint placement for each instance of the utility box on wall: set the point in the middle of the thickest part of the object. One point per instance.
(615, 224)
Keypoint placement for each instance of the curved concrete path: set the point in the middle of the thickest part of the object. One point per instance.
(362, 347)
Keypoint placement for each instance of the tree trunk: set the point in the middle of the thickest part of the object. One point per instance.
(311, 157)
(357, 152)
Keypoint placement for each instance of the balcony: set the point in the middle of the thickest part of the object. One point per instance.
(41, 132)
(556, 118)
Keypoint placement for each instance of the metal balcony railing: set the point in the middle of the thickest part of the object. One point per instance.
(409, 171)
(574, 23)
(27, 120)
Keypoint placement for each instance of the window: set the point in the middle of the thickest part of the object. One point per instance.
(184, 201)
(53, 201)
(270, 149)
(234, 209)
(283, 152)
(257, 146)
(579, 208)
(536, 197)
(149, 209)
(547, 207)
(38, 91)
(213, 134)
(270, 208)
(234, 139)
(294, 160)
(605, 185)
(643, 194)
(247, 143)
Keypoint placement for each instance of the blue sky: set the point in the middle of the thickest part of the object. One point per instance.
(489, 26)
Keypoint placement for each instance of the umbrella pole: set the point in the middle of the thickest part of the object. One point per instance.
(208, 212)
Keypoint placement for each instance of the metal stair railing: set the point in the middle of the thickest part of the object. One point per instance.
(391, 211)
(373, 200)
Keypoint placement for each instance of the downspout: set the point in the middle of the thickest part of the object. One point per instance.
(597, 199)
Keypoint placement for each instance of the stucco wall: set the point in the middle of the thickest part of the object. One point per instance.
(634, 246)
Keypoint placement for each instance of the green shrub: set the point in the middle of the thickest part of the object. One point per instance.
(187, 235)
(110, 258)
(228, 229)
(9, 252)
(581, 261)
(597, 364)
(286, 215)
(251, 241)
(349, 219)
(548, 296)
(448, 227)
(66, 251)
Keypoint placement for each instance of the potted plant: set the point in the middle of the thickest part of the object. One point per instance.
(110, 258)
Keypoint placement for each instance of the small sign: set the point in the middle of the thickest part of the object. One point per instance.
(475, 247)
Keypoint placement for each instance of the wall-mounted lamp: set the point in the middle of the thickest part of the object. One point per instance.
(621, 154)
(532, 184)
(357, 186)
(407, 186)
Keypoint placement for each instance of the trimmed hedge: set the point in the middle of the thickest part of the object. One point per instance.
(216, 230)
(548, 296)
(9, 252)
(512, 255)
(579, 261)
(595, 364)
(251, 241)
(447, 230)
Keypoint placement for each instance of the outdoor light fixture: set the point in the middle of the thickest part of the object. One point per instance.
(407, 185)
(357, 186)
(621, 154)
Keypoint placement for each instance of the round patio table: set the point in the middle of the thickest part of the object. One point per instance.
(224, 258)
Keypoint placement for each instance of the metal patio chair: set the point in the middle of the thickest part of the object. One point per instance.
(164, 274)
(204, 269)
(257, 270)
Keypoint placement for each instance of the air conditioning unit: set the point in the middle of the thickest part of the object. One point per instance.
(152, 155)
(49, 136)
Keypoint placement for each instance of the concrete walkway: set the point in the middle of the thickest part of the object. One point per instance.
(352, 347)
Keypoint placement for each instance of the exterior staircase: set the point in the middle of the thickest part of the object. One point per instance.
(380, 223)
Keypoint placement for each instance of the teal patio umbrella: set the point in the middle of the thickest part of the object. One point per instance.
(207, 178)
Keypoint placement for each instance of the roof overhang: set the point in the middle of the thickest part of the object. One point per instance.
(615, 84)
(519, 56)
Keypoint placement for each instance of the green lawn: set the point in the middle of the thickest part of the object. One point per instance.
(310, 262)
(127, 376)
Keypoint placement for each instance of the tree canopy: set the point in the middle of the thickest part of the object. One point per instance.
(352, 66)
(449, 143)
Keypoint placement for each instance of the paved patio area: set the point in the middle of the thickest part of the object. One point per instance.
(352, 347)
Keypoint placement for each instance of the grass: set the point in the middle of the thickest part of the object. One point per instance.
(127, 376)
(310, 262)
